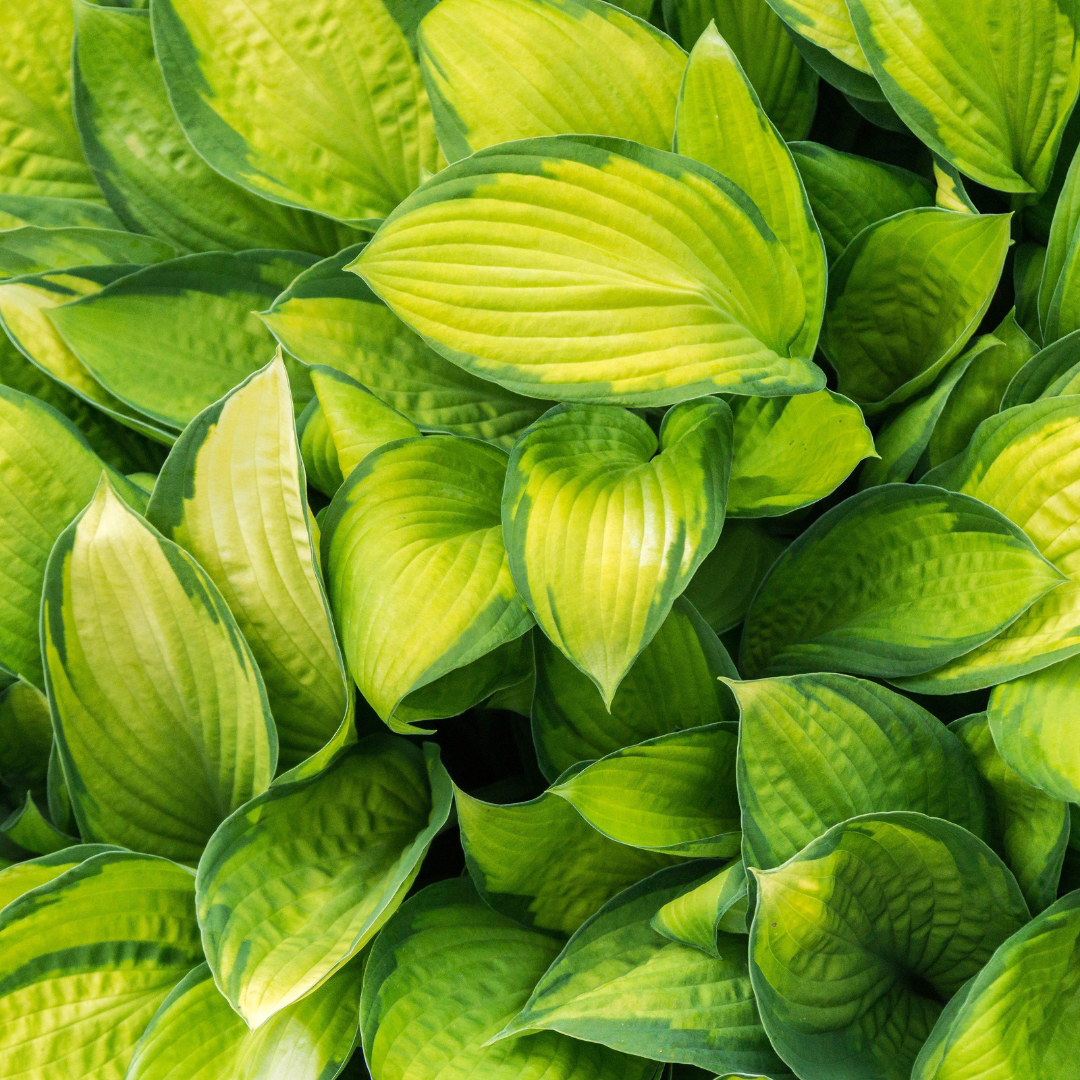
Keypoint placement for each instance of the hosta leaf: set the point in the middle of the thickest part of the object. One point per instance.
(603, 535)
(785, 84)
(417, 574)
(39, 149)
(500, 70)
(87, 959)
(297, 882)
(1023, 463)
(1020, 1015)
(138, 153)
(906, 296)
(34, 250)
(204, 340)
(815, 750)
(987, 84)
(903, 439)
(847, 192)
(721, 124)
(25, 737)
(672, 685)
(19, 879)
(542, 863)
(322, 110)
(951, 193)
(1030, 828)
(675, 793)
(894, 581)
(979, 392)
(49, 474)
(1048, 373)
(504, 260)
(1059, 287)
(342, 425)
(444, 976)
(823, 32)
(328, 316)
(792, 451)
(17, 210)
(620, 983)
(232, 495)
(725, 582)
(32, 831)
(859, 939)
(1033, 720)
(159, 710)
(1028, 262)
(695, 916)
(196, 1031)
(24, 306)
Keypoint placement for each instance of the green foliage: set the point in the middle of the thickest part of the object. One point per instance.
(539, 540)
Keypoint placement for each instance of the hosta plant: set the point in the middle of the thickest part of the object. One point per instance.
(541, 539)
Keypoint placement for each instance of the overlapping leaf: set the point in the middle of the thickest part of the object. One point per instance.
(603, 535)
(296, 882)
(696, 916)
(33, 249)
(894, 581)
(1050, 372)
(506, 261)
(324, 112)
(231, 494)
(672, 685)
(500, 70)
(417, 573)
(160, 713)
(859, 939)
(445, 976)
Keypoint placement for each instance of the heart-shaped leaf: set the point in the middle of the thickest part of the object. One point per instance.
(196, 1030)
(1029, 828)
(791, 452)
(417, 573)
(143, 656)
(506, 261)
(39, 149)
(847, 192)
(858, 941)
(725, 582)
(329, 316)
(342, 424)
(603, 535)
(785, 84)
(499, 70)
(297, 881)
(815, 750)
(894, 581)
(232, 495)
(50, 474)
(302, 113)
(671, 686)
(34, 250)
(24, 306)
(620, 983)
(205, 338)
(444, 976)
(721, 124)
(541, 863)
(696, 916)
(138, 153)
(119, 927)
(987, 84)
(1022, 461)
(1020, 1015)
(906, 296)
(675, 793)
